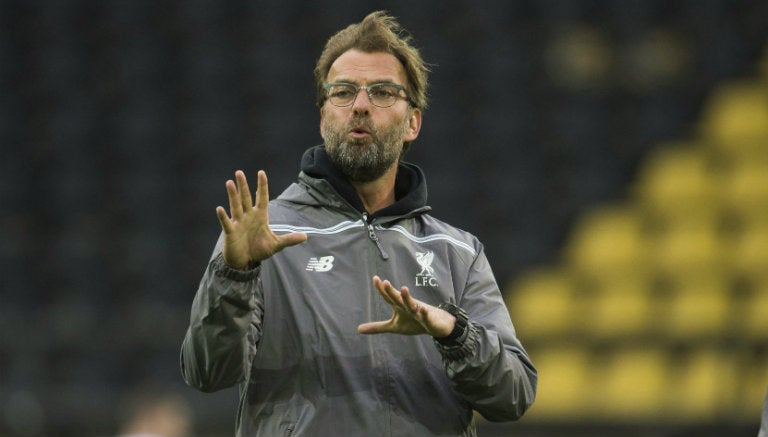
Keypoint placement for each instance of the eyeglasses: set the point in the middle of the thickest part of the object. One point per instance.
(382, 95)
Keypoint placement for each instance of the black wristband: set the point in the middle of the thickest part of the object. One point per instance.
(459, 328)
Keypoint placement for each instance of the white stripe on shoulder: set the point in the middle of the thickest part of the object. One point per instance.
(428, 238)
(341, 227)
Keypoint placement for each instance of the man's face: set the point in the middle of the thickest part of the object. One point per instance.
(364, 140)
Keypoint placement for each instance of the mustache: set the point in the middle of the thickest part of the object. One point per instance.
(363, 122)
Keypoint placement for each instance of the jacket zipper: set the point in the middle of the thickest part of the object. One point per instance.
(372, 235)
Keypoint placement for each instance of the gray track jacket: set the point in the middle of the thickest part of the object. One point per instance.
(287, 330)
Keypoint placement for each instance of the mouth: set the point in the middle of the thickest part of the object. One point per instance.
(359, 132)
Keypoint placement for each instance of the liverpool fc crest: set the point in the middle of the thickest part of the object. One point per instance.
(426, 277)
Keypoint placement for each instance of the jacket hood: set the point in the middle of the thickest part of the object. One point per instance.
(410, 184)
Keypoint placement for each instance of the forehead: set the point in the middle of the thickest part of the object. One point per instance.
(364, 68)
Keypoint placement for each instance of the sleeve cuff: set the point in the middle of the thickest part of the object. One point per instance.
(467, 345)
(224, 270)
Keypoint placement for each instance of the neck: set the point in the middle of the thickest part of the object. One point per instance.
(377, 194)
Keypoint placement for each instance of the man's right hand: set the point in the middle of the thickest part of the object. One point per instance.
(247, 236)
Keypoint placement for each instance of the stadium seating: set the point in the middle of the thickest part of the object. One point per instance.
(662, 298)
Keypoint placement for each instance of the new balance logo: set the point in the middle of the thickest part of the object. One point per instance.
(322, 264)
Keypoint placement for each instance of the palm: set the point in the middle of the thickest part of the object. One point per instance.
(247, 236)
(404, 323)
(409, 316)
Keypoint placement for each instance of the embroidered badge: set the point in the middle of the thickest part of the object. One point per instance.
(426, 277)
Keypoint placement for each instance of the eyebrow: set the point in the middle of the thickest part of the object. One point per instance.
(373, 82)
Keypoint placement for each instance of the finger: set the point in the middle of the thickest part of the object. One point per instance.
(262, 190)
(410, 303)
(245, 192)
(235, 204)
(226, 224)
(373, 327)
(380, 287)
(394, 294)
(386, 291)
(291, 239)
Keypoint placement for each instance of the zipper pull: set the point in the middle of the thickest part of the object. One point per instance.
(372, 235)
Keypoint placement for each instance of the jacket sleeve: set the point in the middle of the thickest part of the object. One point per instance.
(490, 369)
(224, 327)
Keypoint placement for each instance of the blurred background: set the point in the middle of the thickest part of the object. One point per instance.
(611, 155)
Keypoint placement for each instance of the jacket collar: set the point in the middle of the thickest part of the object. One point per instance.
(410, 184)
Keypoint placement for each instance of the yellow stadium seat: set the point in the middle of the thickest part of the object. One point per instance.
(736, 118)
(753, 320)
(688, 248)
(565, 384)
(541, 303)
(620, 308)
(698, 307)
(632, 385)
(607, 240)
(748, 250)
(743, 189)
(677, 182)
(753, 387)
(704, 387)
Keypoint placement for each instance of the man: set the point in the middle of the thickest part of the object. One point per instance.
(155, 412)
(297, 287)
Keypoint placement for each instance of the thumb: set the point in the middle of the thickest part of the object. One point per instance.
(291, 239)
(372, 328)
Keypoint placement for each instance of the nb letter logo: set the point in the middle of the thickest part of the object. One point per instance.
(322, 264)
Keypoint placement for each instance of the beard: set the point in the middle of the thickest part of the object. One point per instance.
(363, 159)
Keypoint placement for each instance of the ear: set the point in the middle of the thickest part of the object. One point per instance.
(322, 123)
(414, 125)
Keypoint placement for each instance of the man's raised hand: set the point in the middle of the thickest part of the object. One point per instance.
(247, 236)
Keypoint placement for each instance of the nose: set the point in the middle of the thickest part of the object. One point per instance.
(362, 103)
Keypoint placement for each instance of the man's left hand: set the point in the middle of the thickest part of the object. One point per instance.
(410, 316)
